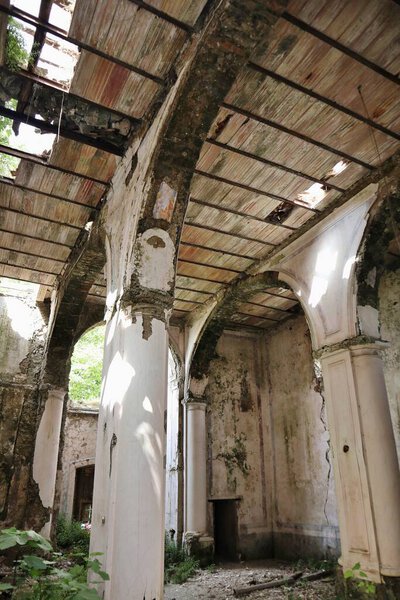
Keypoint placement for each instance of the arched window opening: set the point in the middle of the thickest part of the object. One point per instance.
(86, 369)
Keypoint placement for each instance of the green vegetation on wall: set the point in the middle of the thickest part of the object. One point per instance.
(86, 367)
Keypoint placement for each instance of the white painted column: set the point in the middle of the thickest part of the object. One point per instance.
(196, 467)
(128, 510)
(47, 445)
(367, 474)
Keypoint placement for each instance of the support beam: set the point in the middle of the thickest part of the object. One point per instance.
(300, 136)
(256, 317)
(324, 100)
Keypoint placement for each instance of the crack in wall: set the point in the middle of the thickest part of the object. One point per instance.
(319, 389)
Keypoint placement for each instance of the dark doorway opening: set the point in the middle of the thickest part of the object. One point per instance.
(225, 529)
(83, 495)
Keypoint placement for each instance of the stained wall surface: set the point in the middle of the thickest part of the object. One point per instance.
(22, 333)
(269, 444)
(389, 313)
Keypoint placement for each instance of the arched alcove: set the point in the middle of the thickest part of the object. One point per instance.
(269, 467)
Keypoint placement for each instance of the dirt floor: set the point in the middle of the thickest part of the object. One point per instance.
(220, 584)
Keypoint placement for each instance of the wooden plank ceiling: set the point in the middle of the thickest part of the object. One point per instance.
(324, 92)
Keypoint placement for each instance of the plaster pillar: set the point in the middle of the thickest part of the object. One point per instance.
(367, 474)
(196, 467)
(128, 509)
(45, 459)
(197, 540)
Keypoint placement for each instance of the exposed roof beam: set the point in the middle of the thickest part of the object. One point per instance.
(12, 183)
(187, 301)
(57, 32)
(16, 266)
(240, 214)
(35, 237)
(271, 163)
(178, 287)
(40, 282)
(344, 49)
(222, 283)
(63, 131)
(25, 253)
(288, 310)
(324, 100)
(236, 235)
(202, 264)
(300, 136)
(218, 250)
(163, 15)
(39, 160)
(249, 188)
(46, 219)
(256, 317)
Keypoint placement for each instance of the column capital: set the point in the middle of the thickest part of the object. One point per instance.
(358, 346)
(193, 402)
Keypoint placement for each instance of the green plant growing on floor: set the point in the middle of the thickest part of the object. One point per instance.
(70, 535)
(359, 580)
(178, 566)
(36, 575)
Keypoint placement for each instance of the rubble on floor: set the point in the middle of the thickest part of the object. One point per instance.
(220, 582)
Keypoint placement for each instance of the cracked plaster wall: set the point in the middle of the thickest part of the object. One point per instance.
(389, 312)
(304, 503)
(268, 443)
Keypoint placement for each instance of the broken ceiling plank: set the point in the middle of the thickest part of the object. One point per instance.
(249, 188)
(57, 32)
(336, 44)
(239, 213)
(324, 100)
(300, 136)
(63, 131)
(273, 164)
